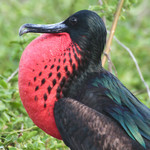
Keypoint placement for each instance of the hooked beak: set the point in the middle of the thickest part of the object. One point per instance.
(39, 28)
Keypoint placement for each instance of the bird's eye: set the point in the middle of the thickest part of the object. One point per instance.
(73, 20)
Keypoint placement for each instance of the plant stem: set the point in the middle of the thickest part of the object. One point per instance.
(12, 75)
(113, 28)
(136, 64)
(18, 131)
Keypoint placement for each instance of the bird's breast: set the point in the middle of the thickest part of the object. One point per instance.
(46, 67)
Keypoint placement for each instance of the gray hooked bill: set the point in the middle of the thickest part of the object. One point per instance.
(40, 28)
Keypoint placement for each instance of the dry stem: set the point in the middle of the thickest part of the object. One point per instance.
(12, 75)
(136, 64)
(113, 28)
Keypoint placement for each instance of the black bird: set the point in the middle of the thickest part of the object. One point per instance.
(68, 93)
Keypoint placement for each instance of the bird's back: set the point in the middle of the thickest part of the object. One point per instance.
(104, 93)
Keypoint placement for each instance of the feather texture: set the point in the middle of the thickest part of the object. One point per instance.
(133, 116)
(83, 128)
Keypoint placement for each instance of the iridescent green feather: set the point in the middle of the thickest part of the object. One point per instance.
(133, 116)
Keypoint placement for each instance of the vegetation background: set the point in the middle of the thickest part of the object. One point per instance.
(16, 129)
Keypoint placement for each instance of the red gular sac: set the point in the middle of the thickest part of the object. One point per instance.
(45, 66)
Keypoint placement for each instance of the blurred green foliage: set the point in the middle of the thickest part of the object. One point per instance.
(17, 131)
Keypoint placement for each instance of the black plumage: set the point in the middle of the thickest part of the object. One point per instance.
(83, 128)
(97, 110)
(86, 119)
(100, 95)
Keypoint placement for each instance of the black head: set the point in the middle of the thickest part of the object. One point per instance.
(85, 27)
(88, 30)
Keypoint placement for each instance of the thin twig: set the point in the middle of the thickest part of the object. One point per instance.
(104, 18)
(18, 131)
(111, 63)
(100, 2)
(137, 66)
(21, 133)
(140, 92)
(12, 75)
(113, 28)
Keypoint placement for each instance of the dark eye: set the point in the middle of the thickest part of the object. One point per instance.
(73, 20)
